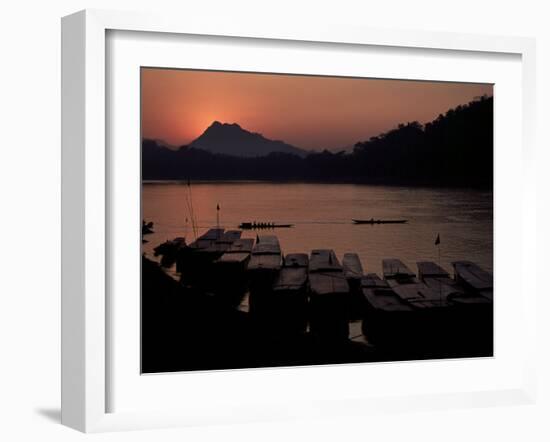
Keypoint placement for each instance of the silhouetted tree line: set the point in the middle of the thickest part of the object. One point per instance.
(456, 149)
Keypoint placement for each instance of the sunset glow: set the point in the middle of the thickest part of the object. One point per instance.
(311, 112)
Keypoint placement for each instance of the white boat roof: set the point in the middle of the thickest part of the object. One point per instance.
(352, 266)
(394, 268)
(296, 260)
(267, 245)
(429, 269)
(333, 283)
(324, 260)
(473, 275)
(241, 245)
(264, 262)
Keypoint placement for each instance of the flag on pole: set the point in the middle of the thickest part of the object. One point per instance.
(218, 207)
(437, 240)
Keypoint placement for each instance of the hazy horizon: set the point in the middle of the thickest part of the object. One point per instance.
(309, 112)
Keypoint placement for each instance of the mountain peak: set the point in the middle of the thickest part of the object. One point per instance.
(232, 139)
(218, 124)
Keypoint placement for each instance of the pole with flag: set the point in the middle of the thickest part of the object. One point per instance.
(218, 218)
(437, 243)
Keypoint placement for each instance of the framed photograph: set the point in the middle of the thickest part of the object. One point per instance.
(262, 223)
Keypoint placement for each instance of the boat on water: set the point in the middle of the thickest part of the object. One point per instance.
(353, 271)
(263, 268)
(468, 320)
(229, 272)
(262, 225)
(429, 269)
(329, 297)
(286, 304)
(379, 221)
(147, 227)
(410, 319)
(169, 250)
(195, 261)
(452, 290)
(396, 272)
(474, 278)
(266, 254)
(386, 315)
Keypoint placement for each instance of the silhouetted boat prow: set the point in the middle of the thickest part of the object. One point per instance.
(379, 221)
(147, 228)
(255, 225)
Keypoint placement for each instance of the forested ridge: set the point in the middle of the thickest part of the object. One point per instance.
(455, 149)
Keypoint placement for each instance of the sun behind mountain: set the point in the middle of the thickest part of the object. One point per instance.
(232, 139)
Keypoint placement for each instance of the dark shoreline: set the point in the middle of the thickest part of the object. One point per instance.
(189, 328)
(416, 185)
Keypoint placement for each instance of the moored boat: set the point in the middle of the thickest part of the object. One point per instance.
(396, 272)
(194, 260)
(474, 278)
(287, 302)
(386, 315)
(429, 269)
(329, 296)
(169, 250)
(264, 266)
(230, 268)
(353, 271)
(147, 227)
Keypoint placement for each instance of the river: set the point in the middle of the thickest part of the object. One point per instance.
(322, 214)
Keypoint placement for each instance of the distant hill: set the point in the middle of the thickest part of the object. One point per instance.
(455, 149)
(232, 139)
(165, 144)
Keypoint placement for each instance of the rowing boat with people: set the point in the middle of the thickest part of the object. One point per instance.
(263, 225)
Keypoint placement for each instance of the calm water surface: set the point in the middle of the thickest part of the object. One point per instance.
(322, 216)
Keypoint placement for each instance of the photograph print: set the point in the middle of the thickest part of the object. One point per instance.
(299, 220)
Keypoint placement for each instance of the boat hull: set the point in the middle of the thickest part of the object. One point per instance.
(379, 221)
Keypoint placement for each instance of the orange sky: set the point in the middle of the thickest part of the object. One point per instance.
(311, 112)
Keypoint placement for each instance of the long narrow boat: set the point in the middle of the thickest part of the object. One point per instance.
(169, 250)
(474, 278)
(264, 266)
(329, 296)
(242, 245)
(266, 255)
(229, 270)
(421, 296)
(192, 261)
(439, 279)
(386, 316)
(353, 270)
(468, 322)
(379, 221)
(429, 269)
(396, 272)
(218, 246)
(410, 320)
(260, 225)
(288, 299)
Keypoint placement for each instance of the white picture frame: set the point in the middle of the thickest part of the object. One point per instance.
(86, 316)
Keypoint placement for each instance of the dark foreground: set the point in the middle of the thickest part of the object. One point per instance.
(191, 327)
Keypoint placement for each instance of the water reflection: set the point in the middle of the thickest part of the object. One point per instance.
(322, 213)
